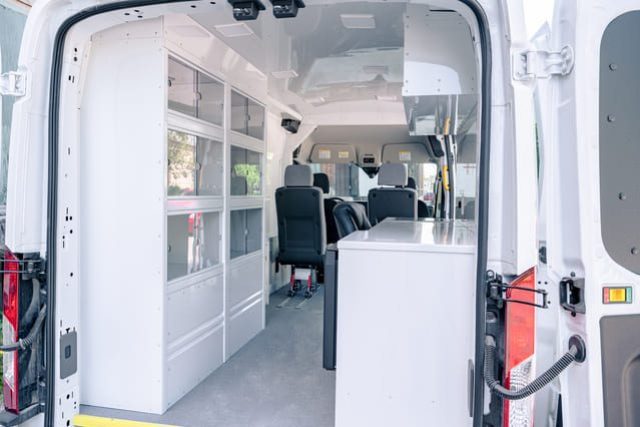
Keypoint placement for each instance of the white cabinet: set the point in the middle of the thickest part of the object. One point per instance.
(173, 262)
(405, 316)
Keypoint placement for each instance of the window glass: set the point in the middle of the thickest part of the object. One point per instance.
(247, 116)
(210, 99)
(246, 232)
(210, 166)
(182, 88)
(193, 243)
(238, 243)
(255, 119)
(238, 112)
(11, 29)
(425, 176)
(349, 180)
(466, 180)
(195, 165)
(194, 93)
(246, 172)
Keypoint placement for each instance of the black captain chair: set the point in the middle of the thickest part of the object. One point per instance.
(424, 210)
(350, 217)
(321, 180)
(301, 227)
(392, 198)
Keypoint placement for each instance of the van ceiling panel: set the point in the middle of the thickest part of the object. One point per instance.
(333, 153)
(406, 153)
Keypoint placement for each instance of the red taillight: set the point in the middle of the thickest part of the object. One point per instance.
(520, 324)
(10, 315)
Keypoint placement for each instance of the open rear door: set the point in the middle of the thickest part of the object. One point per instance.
(590, 125)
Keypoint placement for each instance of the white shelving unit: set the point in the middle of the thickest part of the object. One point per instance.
(174, 205)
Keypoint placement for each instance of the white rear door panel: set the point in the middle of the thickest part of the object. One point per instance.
(571, 209)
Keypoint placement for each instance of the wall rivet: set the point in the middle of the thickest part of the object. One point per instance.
(622, 196)
(613, 66)
(634, 251)
(611, 118)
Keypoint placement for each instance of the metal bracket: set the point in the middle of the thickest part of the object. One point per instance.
(13, 83)
(542, 64)
(499, 291)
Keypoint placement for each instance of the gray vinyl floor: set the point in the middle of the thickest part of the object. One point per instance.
(277, 379)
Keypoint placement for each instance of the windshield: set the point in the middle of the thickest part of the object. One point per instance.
(349, 180)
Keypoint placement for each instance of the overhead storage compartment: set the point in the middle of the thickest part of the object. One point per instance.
(438, 44)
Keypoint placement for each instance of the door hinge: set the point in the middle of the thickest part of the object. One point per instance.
(13, 83)
(501, 293)
(542, 64)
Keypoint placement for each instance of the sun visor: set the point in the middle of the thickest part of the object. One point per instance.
(439, 46)
(405, 153)
(333, 153)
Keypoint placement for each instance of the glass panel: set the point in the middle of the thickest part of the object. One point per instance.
(210, 166)
(180, 245)
(182, 88)
(193, 243)
(246, 232)
(254, 230)
(247, 116)
(239, 112)
(195, 165)
(255, 121)
(246, 172)
(238, 241)
(349, 180)
(11, 31)
(181, 164)
(211, 99)
(207, 251)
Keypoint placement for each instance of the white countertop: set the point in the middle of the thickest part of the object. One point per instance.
(415, 236)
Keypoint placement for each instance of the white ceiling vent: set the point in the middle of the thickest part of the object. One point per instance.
(284, 74)
(234, 30)
(358, 22)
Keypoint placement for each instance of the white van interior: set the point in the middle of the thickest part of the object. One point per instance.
(256, 212)
(181, 149)
(184, 127)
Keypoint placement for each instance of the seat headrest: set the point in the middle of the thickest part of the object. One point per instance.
(298, 176)
(321, 180)
(393, 174)
(411, 183)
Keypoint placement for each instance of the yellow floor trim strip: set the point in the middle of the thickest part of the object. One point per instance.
(91, 421)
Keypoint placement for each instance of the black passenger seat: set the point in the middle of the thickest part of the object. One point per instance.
(321, 180)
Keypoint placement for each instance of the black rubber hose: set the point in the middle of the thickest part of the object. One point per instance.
(27, 341)
(531, 388)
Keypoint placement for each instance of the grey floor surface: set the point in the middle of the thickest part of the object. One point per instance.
(277, 379)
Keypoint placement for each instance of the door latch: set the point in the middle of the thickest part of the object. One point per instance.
(529, 65)
(572, 295)
(13, 83)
